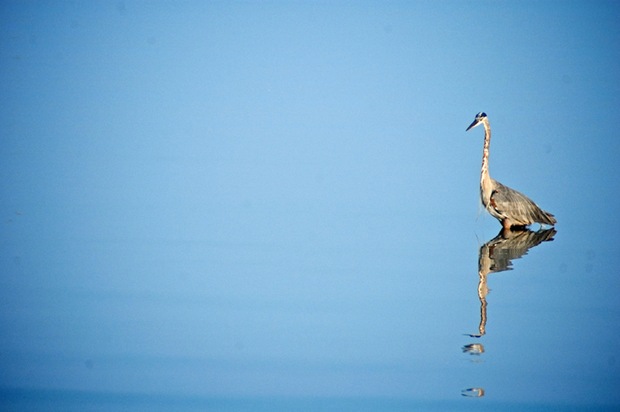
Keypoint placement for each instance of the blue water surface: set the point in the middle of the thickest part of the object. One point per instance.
(274, 206)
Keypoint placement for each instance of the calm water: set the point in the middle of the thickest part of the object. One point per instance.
(274, 206)
(381, 311)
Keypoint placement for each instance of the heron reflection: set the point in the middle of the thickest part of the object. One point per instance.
(496, 256)
(473, 392)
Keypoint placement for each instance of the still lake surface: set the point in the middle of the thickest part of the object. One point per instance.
(274, 206)
(308, 309)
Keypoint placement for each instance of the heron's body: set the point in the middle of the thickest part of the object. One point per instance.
(511, 208)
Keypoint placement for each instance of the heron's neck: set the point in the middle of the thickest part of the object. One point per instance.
(484, 172)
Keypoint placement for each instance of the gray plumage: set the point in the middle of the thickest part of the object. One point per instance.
(511, 208)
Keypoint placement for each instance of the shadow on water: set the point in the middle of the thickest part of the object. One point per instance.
(496, 256)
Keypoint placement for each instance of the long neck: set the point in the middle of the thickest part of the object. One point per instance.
(484, 172)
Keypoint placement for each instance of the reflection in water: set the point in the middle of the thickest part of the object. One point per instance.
(473, 392)
(474, 348)
(496, 256)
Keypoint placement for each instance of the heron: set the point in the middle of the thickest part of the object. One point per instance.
(513, 209)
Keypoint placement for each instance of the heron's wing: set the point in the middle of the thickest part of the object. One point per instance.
(516, 206)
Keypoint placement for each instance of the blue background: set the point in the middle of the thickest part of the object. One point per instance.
(236, 201)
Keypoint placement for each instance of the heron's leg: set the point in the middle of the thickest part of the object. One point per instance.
(506, 224)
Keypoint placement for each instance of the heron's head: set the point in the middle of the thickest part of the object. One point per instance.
(480, 117)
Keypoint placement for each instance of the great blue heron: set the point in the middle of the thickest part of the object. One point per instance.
(511, 208)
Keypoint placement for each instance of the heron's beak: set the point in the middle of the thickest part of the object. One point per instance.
(474, 124)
